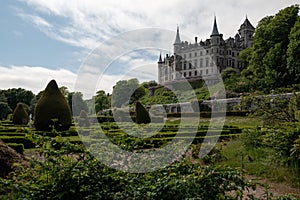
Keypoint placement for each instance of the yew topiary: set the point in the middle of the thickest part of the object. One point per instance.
(142, 115)
(52, 109)
(20, 116)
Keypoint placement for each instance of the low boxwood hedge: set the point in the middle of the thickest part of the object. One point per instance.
(17, 147)
(28, 144)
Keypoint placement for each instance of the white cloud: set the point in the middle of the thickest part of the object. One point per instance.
(86, 24)
(36, 78)
(89, 21)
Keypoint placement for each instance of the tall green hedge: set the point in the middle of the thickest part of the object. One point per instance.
(52, 109)
(20, 116)
(142, 115)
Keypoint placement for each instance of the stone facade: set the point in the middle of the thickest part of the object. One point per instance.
(204, 59)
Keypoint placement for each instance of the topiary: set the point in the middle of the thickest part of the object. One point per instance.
(20, 116)
(83, 119)
(52, 109)
(142, 115)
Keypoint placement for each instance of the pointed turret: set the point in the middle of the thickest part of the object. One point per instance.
(246, 32)
(177, 42)
(247, 24)
(160, 59)
(215, 28)
(177, 39)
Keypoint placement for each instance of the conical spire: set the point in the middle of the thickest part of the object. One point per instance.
(247, 23)
(160, 59)
(177, 40)
(215, 28)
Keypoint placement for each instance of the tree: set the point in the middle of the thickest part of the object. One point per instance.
(15, 96)
(52, 109)
(268, 56)
(126, 92)
(4, 110)
(142, 115)
(102, 101)
(76, 103)
(20, 116)
(293, 53)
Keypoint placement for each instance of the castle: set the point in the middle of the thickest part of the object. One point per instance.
(204, 59)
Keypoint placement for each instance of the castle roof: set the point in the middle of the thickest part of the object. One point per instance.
(215, 28)
(177, 39)
(247, 24)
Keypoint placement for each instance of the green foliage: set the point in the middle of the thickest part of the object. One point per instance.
(14, 96)
(27, 142)
(142, 115)
(273, 57)
(83, 119)
(52, 105)
(20, 116)
(19, 148)
(293, 53)
(76, 103)
(126, 92)
(80, 176)
(4, 110)
(102, 101)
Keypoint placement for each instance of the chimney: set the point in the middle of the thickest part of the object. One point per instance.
(196, 40)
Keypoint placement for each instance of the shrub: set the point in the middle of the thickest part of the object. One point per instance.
(20, 116)
(18, 140)
(19, 148)
(83, 119)
(52, 109)
(142, 115)
(4, 110)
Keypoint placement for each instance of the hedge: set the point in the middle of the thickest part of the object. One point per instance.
(28, 144)
(17, 147)
(238, 113)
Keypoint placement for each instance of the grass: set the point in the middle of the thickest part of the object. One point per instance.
(259, 162)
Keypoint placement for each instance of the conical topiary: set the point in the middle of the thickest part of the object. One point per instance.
(142, 115)
(83, 119)
(52, 109)
(20, 116)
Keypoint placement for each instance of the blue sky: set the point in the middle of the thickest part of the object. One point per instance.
(53, 39)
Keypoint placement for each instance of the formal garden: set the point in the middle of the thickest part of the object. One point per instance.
(52, 144)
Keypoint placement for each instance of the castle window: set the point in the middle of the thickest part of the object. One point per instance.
(233, 54)
(201, 62)
(190, 73)
(184, 65)
(206, 51)
(200, 72)
(195, 73)
(207, 71)
(190, 65)
(206, 62)
(190, 55)
(200, 53)
(195, 63)
(184, 74)
(195, 54)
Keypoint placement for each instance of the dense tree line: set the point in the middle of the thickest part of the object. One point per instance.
(274, 58)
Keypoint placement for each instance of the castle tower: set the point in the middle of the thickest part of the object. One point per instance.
(215, 38)
(160, 65)
(215, 35)
(177, 42)
(246, 32)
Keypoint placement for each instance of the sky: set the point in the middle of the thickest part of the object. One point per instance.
(90, 45)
